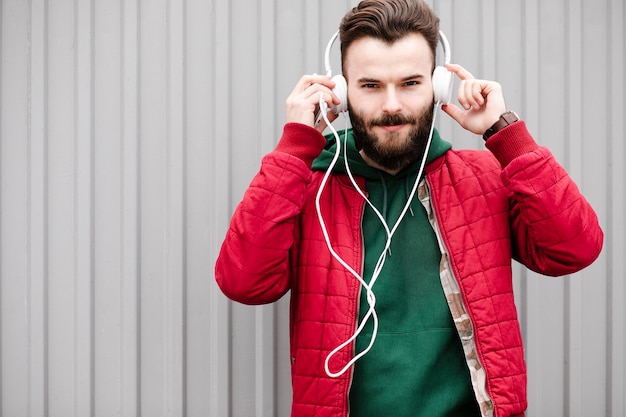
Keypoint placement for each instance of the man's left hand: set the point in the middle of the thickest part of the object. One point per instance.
(482, 102)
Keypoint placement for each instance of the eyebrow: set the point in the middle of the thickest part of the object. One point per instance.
(374, 80)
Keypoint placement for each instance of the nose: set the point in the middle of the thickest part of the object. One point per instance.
(392, 103)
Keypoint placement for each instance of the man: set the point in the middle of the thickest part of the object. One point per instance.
(440, 317)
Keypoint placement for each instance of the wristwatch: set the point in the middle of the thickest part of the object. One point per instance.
(505, 119)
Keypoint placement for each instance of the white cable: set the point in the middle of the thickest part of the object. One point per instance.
(371, 298)
(370, 294)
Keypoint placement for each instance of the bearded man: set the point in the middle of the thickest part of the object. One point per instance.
(398, 261)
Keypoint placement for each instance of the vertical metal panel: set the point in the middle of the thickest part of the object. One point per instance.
(220, 115)
(128, 248)
(37, 223)
(61, 199)
(108, 200)
(84, 195)
(204, 365)
(13, 208)
(129, 131)
(615, 225)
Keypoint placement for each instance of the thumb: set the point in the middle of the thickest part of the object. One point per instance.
(322, 124)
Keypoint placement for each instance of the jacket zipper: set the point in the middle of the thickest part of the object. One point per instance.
(454, 274)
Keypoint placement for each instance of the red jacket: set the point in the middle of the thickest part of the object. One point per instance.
(519, 205)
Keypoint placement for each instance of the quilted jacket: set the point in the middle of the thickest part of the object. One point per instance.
(520, 205)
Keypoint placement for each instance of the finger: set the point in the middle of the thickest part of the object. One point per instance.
(455, 112)
(303, 83)
(323, 125)
(307, 81)
(316, 95)
(464, 94)
(312, 80)
(474, 94)
(301, 105)
(471, 94)
(461, 72)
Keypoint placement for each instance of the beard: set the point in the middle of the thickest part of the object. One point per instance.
(395, 152)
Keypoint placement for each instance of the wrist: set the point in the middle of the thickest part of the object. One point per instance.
(505, 119)
(301, 141)
(511, 143)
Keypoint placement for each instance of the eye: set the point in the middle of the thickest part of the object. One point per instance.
(369, 85)
(411, 83)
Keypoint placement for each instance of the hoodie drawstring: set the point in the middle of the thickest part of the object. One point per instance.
(407, 193)
(385, 196)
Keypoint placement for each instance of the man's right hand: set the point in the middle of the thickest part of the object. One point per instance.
(303, 102)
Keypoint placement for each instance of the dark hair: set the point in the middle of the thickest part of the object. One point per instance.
(389, 21)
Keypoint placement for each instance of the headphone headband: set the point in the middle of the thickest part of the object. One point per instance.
(327, 54)
(445, 46)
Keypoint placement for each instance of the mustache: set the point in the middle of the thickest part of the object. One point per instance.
(392, 120)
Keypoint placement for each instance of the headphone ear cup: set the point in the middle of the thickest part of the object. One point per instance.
(442, 85)
(341, 91)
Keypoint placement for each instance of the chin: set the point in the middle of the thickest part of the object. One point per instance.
(393, 140)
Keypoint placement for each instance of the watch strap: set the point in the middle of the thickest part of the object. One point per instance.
(505, 119)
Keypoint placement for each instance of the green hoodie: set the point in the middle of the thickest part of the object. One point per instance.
(416, 366)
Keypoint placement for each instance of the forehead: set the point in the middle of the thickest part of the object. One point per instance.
(373, 58)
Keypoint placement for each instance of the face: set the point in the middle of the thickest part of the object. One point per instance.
(390, 99)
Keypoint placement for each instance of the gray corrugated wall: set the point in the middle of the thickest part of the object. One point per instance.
(128, 132)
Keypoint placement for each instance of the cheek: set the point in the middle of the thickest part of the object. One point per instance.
(429, 98)
(363, 105)
(421, 103)
(369, 105)
(422, 98)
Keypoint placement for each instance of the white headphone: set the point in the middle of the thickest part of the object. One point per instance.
(442, 78)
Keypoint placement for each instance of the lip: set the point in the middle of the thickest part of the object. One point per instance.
(392, 128)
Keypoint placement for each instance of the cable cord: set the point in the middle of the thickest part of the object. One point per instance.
(371, 297)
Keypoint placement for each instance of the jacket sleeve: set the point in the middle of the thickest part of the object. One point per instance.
(253, 263)
(555, 231)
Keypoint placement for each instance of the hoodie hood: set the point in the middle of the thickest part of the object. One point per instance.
(359, 167)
